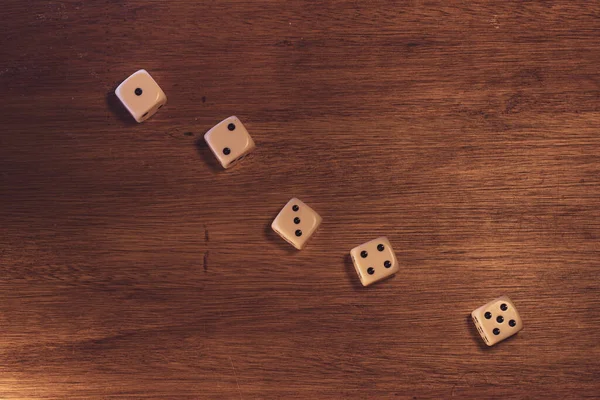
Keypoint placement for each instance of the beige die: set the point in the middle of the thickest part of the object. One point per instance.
(296, 223)
(497, 320)
(229, 141)
(374, 260)
(141, 95)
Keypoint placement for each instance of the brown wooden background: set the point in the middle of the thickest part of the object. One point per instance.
(132, 266)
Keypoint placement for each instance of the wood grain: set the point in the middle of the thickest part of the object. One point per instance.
(133, 267)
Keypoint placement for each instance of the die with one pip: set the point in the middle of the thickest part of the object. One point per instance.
(141, 95)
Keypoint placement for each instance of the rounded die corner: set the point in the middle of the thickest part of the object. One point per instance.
(319, 219)
(142, 71)
(506, 299)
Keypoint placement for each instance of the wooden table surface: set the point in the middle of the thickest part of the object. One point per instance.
(133, 266)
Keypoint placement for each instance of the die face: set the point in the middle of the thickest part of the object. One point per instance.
(141, 95)
(374, 260)
(229, 141)
(497, 320)
(296, 223)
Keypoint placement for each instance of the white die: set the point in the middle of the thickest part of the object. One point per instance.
(141, 95)
(374, 260)
(497, 320)
(296, 223)
(229, 141)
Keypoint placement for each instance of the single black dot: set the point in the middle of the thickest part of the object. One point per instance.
(503, 307)
(380, 247)
(138, 91)
(500, 319)
(488, 315)
(387, 264)
(298, 232)
(370, 271)
(496, 331)
(364, 254)
(226, 151)
(231, 127)
(295, 207)
(512, 322)
(296, 220)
